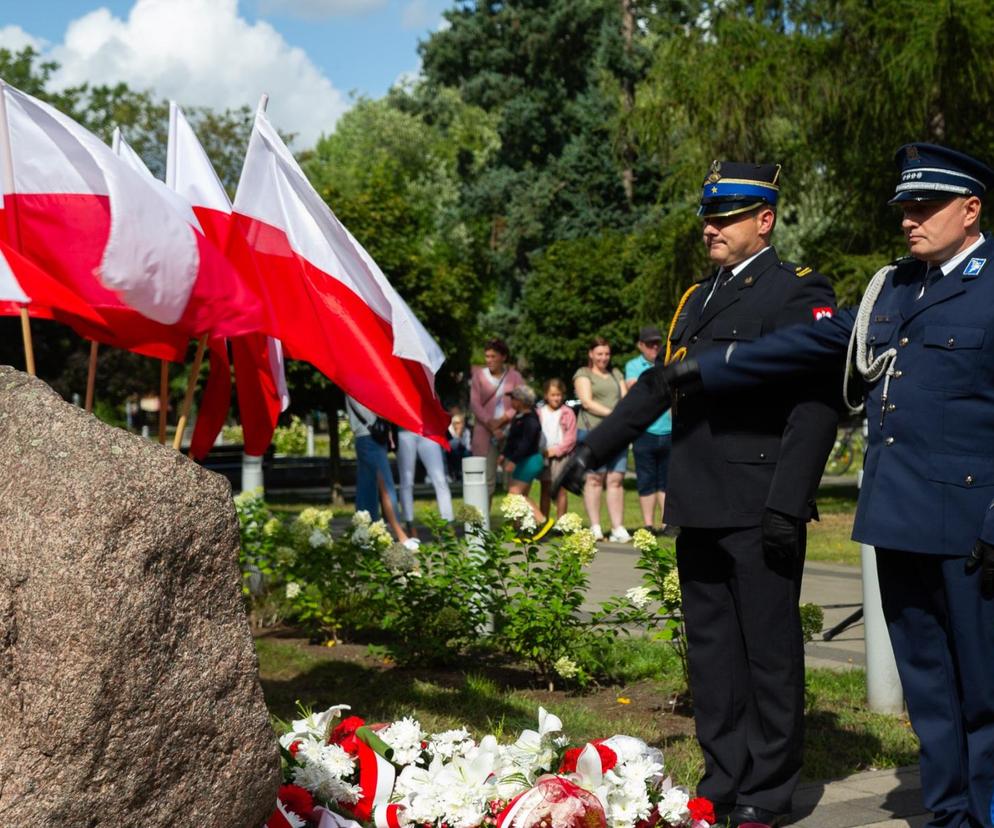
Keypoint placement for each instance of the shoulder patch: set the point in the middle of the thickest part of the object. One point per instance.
(801, 271)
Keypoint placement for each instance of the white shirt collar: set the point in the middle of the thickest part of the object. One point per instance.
(737, 269)
(950, 265)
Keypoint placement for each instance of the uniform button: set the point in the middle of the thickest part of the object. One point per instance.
(762, 455)
(736, 330)
(889, 441)
(968, 480)
(693, 339)
(951, 341)
(898, 374)
(902, 341)
(892, 407)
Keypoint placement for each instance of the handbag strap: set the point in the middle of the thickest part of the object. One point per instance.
(498, 386)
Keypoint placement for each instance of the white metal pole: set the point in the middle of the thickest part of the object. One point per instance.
(883, 685)
(474, 486)
(251, 473)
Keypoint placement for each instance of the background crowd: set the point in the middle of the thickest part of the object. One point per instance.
(526, 437)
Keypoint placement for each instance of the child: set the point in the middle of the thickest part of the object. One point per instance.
(459, 444)
(559, 430)
(522, 458)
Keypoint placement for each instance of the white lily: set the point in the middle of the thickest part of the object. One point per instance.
(317, 724)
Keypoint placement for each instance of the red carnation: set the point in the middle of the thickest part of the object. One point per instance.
(608, 757)
(294, 747)
(297, 799)
(702, 809)
(346, 729)
(570, 758)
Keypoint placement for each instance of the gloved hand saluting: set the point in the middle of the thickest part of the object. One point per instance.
(982, 558)
(574, 473)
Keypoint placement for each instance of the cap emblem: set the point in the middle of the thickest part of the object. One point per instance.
(715, 174)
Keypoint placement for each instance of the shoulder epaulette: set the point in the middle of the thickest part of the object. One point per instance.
(802, 270)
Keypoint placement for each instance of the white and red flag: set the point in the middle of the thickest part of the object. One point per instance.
(259, 376)
(23, 284)
(330, 302)
(105, 230)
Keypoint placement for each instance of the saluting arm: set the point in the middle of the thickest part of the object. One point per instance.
(785, 354)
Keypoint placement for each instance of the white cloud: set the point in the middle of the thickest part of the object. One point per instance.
(15, 38)
(422, 15)
(201, 53)
(318, 9)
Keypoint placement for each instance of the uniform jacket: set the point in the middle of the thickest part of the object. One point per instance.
(733, 457)
(928, 482)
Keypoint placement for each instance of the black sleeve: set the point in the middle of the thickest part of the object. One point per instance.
(522, 438)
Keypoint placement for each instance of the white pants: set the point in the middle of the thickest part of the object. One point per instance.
(410, 447)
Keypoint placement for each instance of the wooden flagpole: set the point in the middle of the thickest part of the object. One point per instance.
(191, 387)
(91, 376)
(163, 399)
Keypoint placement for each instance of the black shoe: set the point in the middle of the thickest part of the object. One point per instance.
(722, 813)
(670, 531)
(743, 814)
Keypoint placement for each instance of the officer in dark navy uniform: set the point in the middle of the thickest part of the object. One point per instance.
(922, 345)
(741, 487)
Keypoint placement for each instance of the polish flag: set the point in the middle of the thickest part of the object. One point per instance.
(23, 284)
(331, 303)
(106, 231)
(259, 376)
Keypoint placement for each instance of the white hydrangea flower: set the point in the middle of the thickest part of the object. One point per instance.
(643, 540)
(569, 523)
(639, 596)
(515, 508)
(566, 667)
(292, 590)
(671, 587)
(317, 538)
(361, 518)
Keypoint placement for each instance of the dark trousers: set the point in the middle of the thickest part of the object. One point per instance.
(942, 631)
(746, 665)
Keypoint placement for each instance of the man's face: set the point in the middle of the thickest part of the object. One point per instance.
(938, 230)
(733, 239)
(650, 349)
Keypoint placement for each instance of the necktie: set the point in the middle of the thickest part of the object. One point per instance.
(720, 280)
(932, 275)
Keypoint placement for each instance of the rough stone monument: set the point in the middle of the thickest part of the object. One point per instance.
(129, 690)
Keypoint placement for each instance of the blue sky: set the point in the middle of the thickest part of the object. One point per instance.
(309, 55)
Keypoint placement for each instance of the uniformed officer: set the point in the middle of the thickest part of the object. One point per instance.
(922, 344)
(741, 487)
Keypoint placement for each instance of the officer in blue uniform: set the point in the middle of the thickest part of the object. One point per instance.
(741, 488)
(921, 345)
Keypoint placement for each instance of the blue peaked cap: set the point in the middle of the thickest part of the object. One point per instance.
(930, 172)
(732, 187)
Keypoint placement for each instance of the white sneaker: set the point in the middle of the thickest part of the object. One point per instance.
(619, 535)
(412, 543)
(596, 532)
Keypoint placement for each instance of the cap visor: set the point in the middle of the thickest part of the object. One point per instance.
(922, 195)
(718, 209)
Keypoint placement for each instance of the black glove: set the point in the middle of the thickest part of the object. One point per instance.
(683, 374)
(781, 537)
(982, 558)
(574, 473)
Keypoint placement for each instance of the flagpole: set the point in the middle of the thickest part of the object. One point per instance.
(7, 161)
(91, 376)
(191, 387)
(163, 399)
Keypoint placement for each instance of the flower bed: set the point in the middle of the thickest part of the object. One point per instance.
(349, 774)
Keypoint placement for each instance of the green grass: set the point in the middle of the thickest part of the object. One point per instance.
(842, 737)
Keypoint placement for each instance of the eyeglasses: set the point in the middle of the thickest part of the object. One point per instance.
(656, 343)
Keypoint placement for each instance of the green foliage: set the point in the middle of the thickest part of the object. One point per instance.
(577, 289)
(291, 439)
(812, 621)
(264, 555)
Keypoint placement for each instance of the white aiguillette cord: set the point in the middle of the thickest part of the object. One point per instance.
(870, 367)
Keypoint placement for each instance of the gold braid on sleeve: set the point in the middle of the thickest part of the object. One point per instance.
(680, 353)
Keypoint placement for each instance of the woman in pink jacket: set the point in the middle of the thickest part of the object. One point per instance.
(489, 389)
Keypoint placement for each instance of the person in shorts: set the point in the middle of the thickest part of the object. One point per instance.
(522, 459)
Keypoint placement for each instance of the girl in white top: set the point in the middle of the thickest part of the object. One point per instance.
(559, 440)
